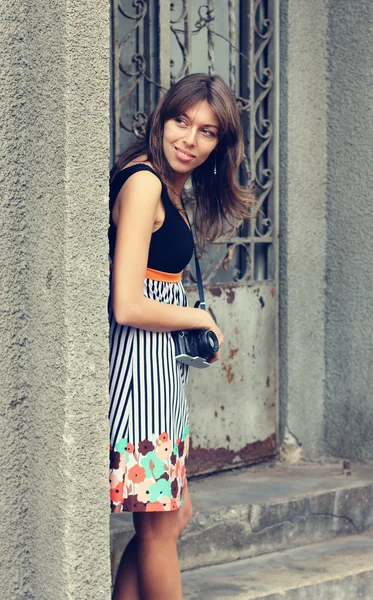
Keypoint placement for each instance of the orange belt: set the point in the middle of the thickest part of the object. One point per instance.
(160, 275)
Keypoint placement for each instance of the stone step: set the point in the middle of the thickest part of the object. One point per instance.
(339, 569)
(263, 509)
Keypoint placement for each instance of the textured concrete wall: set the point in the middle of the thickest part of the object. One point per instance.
(303, 228)
(326, 210)
(53, 441)
(349, 315)
(14, 452)
(283, 217)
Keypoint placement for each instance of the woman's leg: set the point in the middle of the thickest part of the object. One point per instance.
(126, 582)
(158, 563)
(186, 510)
(126, 585)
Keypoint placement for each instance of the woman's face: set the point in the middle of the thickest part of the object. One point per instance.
(188, 139)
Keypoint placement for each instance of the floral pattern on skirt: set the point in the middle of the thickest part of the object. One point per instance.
(150, 477)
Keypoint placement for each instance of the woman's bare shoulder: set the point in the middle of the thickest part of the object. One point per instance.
(141, 190)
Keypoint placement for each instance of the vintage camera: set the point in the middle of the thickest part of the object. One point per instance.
(194, 347)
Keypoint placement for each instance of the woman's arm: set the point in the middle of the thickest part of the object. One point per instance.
(138, 202)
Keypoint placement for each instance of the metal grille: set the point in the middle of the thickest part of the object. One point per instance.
(157, 43)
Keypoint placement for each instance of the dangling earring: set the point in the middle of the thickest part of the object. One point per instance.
(215, 165)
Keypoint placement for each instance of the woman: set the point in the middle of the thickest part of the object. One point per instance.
(194, 131)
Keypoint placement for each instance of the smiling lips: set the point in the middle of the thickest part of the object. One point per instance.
(183, 155)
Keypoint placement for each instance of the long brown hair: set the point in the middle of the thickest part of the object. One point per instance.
(219, 198)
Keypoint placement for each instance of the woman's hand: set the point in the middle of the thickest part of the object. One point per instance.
(214, 327)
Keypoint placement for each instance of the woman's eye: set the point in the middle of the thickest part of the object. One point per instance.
(208, 132)
(180, 121)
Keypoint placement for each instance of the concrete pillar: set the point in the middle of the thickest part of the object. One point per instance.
(54, 513)
(303, 202)
(326, 319)
(349, 313)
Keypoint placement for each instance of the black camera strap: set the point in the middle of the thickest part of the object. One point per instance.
(201, 293)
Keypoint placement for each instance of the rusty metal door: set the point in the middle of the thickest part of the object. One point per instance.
(234, 403)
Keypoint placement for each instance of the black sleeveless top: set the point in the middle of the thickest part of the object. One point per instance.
(171, 246)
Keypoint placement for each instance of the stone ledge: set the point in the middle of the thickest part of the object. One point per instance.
(256, 511)
(339, 569)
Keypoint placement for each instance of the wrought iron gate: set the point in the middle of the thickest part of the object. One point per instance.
(155, 44)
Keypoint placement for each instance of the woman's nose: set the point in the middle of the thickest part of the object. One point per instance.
(190, 136)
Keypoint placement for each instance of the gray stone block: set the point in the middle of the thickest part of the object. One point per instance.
(340, 569)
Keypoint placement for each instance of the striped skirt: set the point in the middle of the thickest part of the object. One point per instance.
(149, 431)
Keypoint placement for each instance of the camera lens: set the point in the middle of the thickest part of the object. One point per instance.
(211, 340)
(207, 343)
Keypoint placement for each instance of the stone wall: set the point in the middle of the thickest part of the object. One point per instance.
(326, 274)
(303, 199)
(54, 187)
(349, 269)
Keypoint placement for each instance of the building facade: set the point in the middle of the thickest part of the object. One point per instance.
(55, 99)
